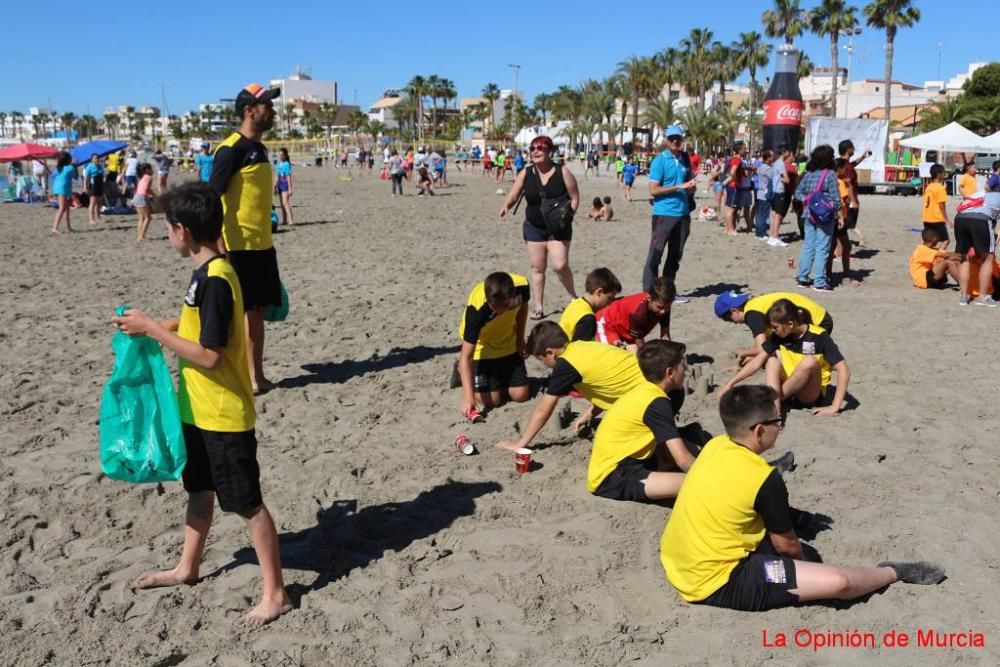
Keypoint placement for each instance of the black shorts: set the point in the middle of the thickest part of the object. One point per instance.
(852, 219)
(761, 581)
(781, 202)
(533, 234)
(496, 374)
(975, 231)
(225, 463)
(96, 188)
(626, 481)
(258, 274)
(935, 283)
(941, 228)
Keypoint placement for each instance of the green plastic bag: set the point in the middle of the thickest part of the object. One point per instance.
(141, 436)
(278, 313)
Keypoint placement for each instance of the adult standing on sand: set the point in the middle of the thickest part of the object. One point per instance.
(241, 175)
(670, 180)
(544, 180)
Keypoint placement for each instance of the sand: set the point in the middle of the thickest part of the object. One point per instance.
(398, 551)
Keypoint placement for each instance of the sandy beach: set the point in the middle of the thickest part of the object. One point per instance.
(398, 551)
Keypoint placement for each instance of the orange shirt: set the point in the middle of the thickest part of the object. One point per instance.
(967, 184)
(974, 283)
(845, 195)
(921, 262)
(934, 196)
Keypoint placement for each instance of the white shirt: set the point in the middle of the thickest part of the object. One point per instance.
(131, 166)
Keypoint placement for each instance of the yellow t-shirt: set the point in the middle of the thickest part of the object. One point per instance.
(608, 372)
(494, 336)
(220, 399)
(967, 185)
(241, 173)
(755, 310)
(714, 525)
(113, 161)
(921, 261)
(630, 430)
(577, 310)
(934, 196)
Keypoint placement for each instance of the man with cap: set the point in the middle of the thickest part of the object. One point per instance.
(670, 180)
(752, 311)
(203, 161)
(241, 175)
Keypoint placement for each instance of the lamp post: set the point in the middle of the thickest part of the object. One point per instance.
(850, 34)
(513, 94)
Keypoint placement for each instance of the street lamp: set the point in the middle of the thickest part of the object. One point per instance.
(850, 33)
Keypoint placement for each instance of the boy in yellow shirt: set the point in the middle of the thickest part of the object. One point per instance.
(930, 266)
(216, 399)
(967, 181)
(579, 319)
(935, 204)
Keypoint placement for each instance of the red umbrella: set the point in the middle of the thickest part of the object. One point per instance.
(27, 152)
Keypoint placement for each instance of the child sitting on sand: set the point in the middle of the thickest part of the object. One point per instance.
(627, 321)
(732, 539)
(579, 319)
(596, 209)
(597, 372)
(930, 266)
(638, 453)
(607, 213)
(216, 398)
(491, 363)
(424, 183)
(752, 311)
(798, 358)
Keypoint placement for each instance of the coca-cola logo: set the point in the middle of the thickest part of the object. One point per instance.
(789, 112)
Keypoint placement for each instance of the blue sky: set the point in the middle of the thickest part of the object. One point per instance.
(203, 51)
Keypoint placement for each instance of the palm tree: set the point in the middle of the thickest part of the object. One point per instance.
(725, 66)
(702, 126)
(41, 119)
(375, 128)
(89, 125)
(659, 114)
(635, 71)
(752, 52)
(67, 120)
(448, 91)
(786, 20)
(3, 123)
(491, 92)
(404, 111)
(890, 15)
(434, 91)
(541, 104)
(829, 19)
(416, 89)
(289, 109)
(111, 121)
(955, 110)
(805, 67)
(129, 118)
(669, 61)
(17, 120)
(696, 45)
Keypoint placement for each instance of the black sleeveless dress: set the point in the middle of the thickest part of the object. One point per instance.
(534, 229)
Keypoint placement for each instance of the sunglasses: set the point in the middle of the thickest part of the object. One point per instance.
(540, 147)
(675, 139)
(777, 421)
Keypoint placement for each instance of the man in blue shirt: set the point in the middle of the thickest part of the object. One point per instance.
(204, 161)
(670, 179)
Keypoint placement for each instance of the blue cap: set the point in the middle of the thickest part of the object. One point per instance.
(729, 300)
(205, 144)
(674, 131)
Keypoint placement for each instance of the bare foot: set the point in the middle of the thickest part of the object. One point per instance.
(268, 610)
(164, 578)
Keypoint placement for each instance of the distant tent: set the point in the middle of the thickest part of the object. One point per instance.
(952, 138)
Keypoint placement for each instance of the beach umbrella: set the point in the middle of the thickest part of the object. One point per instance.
(83, 152)
(17, 152)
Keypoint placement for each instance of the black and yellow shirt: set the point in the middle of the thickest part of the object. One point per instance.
(579, 320)
(631, 429)
(755, 311)
(731, 497)
(212, 315)
(494, 336)
(601, 373)
(814, 343)
(241, 174)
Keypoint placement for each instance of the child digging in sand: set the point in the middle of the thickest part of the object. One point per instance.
(216, 399)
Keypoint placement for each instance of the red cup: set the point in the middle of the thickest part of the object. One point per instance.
(522, 460)
(791, 262)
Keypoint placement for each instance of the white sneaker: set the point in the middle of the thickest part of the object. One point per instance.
(776, 243)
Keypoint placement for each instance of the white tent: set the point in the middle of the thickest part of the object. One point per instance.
(952, 138)
(990, 144)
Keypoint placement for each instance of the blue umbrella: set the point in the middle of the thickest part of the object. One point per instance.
(82, 153)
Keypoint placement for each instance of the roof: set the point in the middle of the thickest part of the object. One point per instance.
(387, 102)
(902, 84)
(903, 113)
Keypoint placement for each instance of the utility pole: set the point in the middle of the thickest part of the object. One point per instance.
(851, 34)
(513, 94)
(940, 48)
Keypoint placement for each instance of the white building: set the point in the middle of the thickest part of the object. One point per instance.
(953, 86)
(382, 110)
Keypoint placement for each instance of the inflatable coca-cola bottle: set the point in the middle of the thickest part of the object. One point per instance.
(783, 102)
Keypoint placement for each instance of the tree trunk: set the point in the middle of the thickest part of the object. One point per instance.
(752, 107)
(635, 111)
(834, 59)
(890, 37)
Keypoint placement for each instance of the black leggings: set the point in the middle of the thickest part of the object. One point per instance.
(397, 182)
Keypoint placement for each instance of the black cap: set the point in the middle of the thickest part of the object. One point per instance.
(254, 93)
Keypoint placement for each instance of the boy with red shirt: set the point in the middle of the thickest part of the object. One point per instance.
(627, 321)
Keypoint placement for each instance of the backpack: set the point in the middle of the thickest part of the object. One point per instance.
(822, 211)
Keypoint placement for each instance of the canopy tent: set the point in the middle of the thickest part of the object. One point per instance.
(83, 152)
(952, 138)
(990, 144)
(27, 152)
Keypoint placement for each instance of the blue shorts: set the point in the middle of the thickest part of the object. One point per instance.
(629, 181)
(283, 184)
(533, 234)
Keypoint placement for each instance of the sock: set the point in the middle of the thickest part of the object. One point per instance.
(916, 573)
